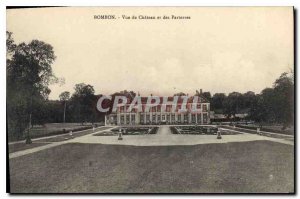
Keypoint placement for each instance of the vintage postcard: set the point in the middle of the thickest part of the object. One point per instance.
(150, 100)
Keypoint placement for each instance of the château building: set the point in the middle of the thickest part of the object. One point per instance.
(162, 113)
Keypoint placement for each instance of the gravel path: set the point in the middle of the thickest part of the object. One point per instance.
(164, 137)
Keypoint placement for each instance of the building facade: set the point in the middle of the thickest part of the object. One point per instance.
(162, 114)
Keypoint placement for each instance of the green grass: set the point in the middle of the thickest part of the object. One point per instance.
(246, 167)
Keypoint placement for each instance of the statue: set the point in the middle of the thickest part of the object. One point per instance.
(219, 135)
(120, 134)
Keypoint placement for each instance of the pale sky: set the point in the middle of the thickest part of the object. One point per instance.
(218, 49)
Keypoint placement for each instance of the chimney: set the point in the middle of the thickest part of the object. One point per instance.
(201, 91)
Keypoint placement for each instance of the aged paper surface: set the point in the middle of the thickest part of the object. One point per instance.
(150, 99)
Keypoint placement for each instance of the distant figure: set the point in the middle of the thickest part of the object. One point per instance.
(71, 133)
(93, 128)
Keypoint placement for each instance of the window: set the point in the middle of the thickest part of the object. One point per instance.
(168, 118)
(185, 117)
(205, 108)
(158, 108)
(163, 117)
(179, 118)
(133, 118)
(142, 118)
(194, 118)
(158, 118)
(169, 108)
(204, 118)
(173, 117)
(199, 118)
(153, 118)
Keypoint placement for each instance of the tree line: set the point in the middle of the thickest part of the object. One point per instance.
(272, 105)
(29, 74)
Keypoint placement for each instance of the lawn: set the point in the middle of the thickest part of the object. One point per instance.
(271, 128)
(58, 128)
(255, 167)
(14, 147)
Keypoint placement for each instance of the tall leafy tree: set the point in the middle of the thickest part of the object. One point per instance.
(233, 104)
(263, 109)
(29, 74)
(276, 105)
(83, 103)
(217, 102)
(248, 99)
(284, 99)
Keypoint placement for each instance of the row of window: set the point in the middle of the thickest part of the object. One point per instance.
(159, 108)
(159, 118)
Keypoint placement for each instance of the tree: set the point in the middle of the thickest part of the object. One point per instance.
(248, 102)
(64, 96)
(128, 94)
(10, 44)
(276, 105)
(217, 102)
(29, 73)
(207, 96)
(83, 103)
(284, 99)
(83, 90)
(180, 94)
(233, 104)
(262, 109)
